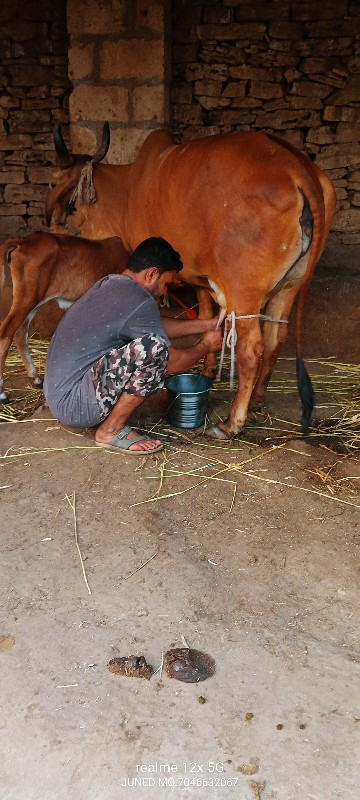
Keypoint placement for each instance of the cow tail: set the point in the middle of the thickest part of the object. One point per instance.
(6, 248)
(305, 388)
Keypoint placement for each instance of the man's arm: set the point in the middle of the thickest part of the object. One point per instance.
(181, 360)
(174, 328)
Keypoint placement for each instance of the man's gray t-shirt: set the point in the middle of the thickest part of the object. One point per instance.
(112, 313)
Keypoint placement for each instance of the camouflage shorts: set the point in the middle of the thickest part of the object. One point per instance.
(137, 368)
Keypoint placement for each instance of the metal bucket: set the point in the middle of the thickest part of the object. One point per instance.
(188, 399)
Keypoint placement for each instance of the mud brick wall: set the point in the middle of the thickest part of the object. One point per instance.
(287, 67)
(34, 92)
(120, 72)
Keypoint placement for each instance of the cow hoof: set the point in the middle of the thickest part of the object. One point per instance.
(3, 398)
(256, 405)
(37, 382)
(215, 432)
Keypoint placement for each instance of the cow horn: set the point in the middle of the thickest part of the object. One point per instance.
(105, 144)
(65, 159)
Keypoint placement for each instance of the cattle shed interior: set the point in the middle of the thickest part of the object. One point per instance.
(246, 550)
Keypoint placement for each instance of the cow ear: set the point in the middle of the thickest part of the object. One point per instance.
(105, 144)
(65, 159)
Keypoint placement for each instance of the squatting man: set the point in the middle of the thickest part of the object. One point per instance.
(112, 349)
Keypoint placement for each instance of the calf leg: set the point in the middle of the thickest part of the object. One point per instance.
(8, 329)
(274, 336)
(13, 327)
(21, 341)
(249, 349)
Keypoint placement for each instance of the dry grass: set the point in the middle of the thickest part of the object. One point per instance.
(336, 385)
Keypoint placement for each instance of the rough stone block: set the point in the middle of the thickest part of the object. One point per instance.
(247, 72)
(232, 117)
(148, 103)
(208, 88)
(40, 174)
(302, 103)
(104, 16)
(280, 120)
(22, 194)
(295, 137)
(348, 220)
(216, 14)
(310, 89)
(266, 11)
(291, 31)
(6, 101)
(235, 89)
(350, 93)
(10, 209)
(313, 65)
(84, 140)
(125, 145)
(348, 133)
(324, 29)
(233, 32)
(213, 72)
(34, 76)
(310, 9)
(338, 114)
(15, 142)
(81, 60)
(354, 176)
(99, 103)
(321, 135)
(12, 226)
(329, 47)
(11, 176)
(336, 156)
(22, 30)
(265, 90)
(213, 102)
(132, 58)
(150, 15)
(188, 115)
(341, 194)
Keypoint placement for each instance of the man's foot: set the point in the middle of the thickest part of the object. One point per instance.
(130, 441)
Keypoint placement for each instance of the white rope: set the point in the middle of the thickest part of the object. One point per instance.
(84, 192)
(230, 339)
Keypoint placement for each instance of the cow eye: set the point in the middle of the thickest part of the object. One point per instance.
(70, 208)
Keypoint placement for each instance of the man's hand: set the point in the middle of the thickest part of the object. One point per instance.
(213, 340)
(175, 328)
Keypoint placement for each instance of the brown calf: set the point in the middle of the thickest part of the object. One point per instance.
(47, 266)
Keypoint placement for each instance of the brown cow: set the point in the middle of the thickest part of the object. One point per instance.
(249, 215)
(43, 267)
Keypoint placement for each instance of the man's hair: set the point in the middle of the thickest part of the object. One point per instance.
(155, 252)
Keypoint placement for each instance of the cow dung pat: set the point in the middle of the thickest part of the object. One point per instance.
(131, 667)
(188, 665)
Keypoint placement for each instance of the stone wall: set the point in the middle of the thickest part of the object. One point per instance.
(108, 55)
(34, 93)
(291, 67)
(120, 72)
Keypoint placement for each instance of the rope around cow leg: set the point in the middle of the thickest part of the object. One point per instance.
(230, 339)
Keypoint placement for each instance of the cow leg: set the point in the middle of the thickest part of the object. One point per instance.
(249, 350)
(8, 330)
(6, 337)
(274, 336)
(206, 312)
(21, 341)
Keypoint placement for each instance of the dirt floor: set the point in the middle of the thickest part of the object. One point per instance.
(248, 551)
